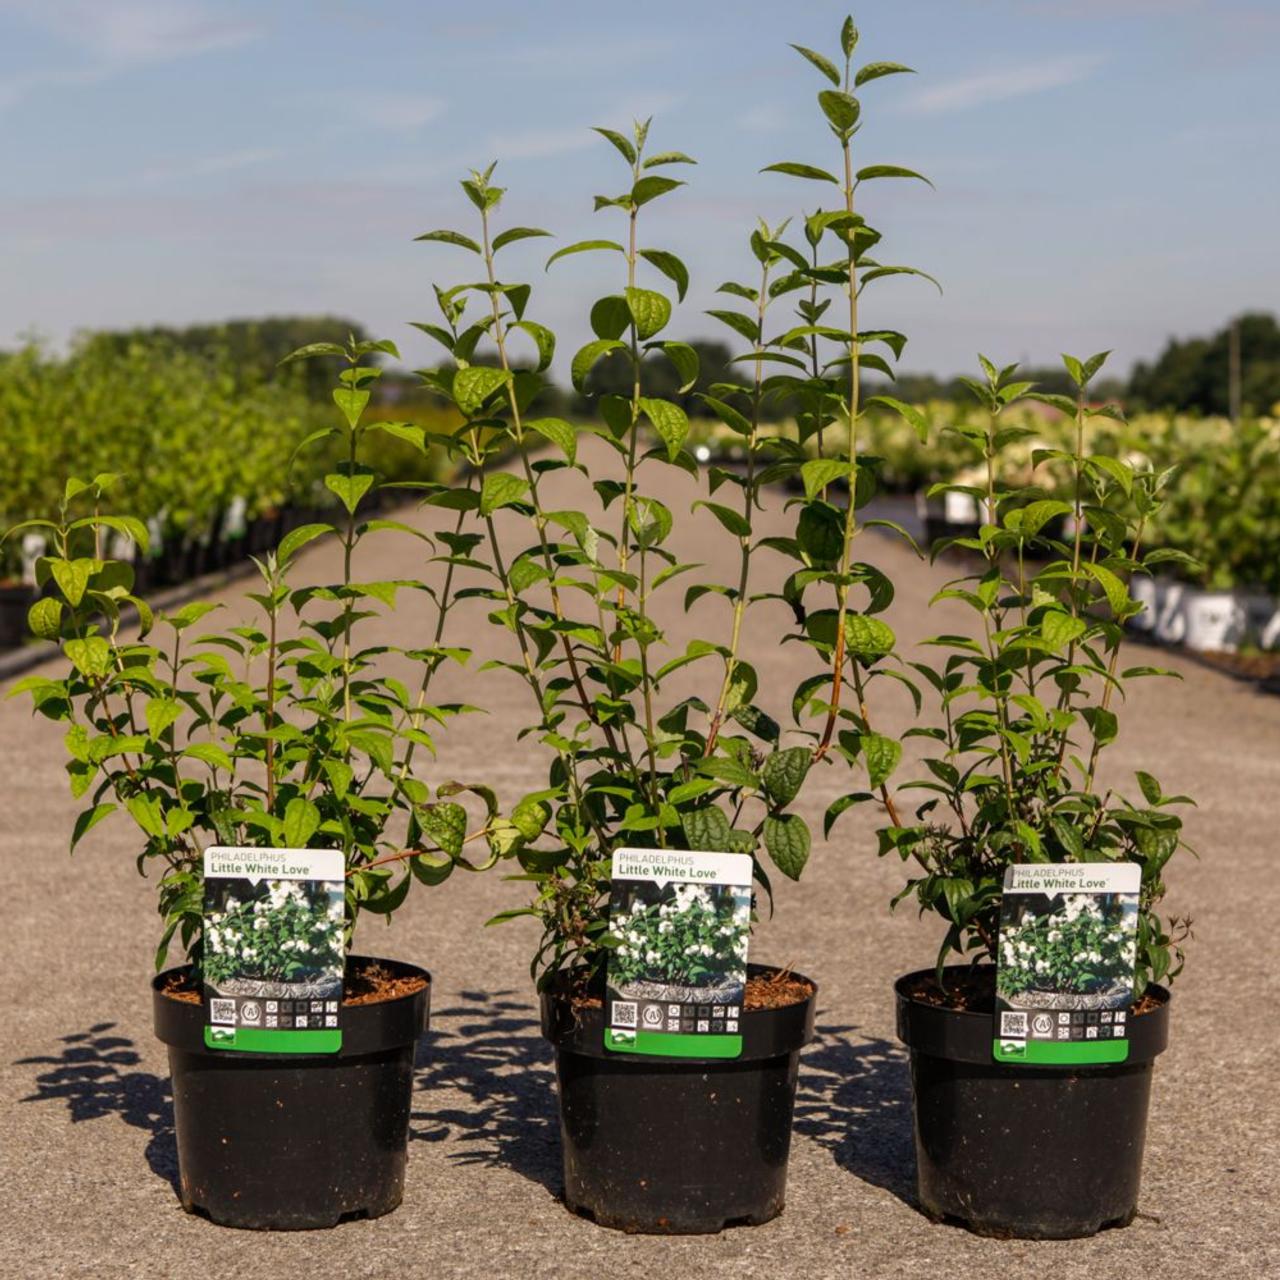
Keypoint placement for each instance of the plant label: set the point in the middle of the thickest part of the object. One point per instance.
(1067, 955)
(274, 949)
(677, 976)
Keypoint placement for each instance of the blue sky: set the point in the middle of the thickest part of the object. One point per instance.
(1106, 170)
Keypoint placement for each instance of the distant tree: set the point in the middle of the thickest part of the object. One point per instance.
(252, 348)
(1193, 374)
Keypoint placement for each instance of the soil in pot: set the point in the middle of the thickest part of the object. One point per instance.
(679, 1145)
(294, 1142)
(1018, 1151)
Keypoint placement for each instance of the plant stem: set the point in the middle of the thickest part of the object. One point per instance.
(850, 514)
(748, 504)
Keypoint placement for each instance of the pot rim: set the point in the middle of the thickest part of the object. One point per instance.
(366, 1028)
(766, 1033)
(966, 1035)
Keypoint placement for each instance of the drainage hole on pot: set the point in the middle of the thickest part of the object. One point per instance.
(353, 1215)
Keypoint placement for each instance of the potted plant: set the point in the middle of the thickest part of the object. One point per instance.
(1028, 703)
(636, 765)
(280, 730)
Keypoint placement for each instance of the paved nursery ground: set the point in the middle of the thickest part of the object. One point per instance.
(87, 1160)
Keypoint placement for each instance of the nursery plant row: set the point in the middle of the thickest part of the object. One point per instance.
(281, 781)
(1221, 513)
(204, 453)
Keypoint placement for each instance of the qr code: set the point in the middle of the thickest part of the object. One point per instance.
(223, 1011)
(1013, 1024)
(624, 1013)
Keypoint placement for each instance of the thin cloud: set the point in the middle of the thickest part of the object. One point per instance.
(204, 166)
(128, 32)
(401, 112)
(997, 86)
(538, 144)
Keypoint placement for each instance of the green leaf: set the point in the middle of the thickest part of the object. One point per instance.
(739, 323)
(129, 526)
(147, 813)
(825, 65)
(670, 266)
(312, 350)
(512, 234)
(784, 773)
(706, 830)
(1151, 789)
(649, 310)
(650, 521)
(349, 489)
(161, 713)
(820, 532)
(543, 339)
(818, 473)
(586, 359)
(867, 638)
(787, 839)
(209, 753)
(296, 539)
(909, 413)
(841, 109)
(559, 432)
(474, 385)
(874, 70)
(585, 246)
(669, 421)
(610, 316)
(90, 656)
(72, 577)
(730, 416)
(1059, 628)
(667, 157)
(848, 37)
(621, 142)
(889, 171)
(650, 188)
(734, 521)
(44, 618)
(801, 171)
(500, 489)
(352, 401)
(453, 237)
(88, 820)
(685, 359)
(882, 755)
(1116, 592)
(190, 614)
(301, 821)
(446, 824)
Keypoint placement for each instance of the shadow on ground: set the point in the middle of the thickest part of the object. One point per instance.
(91, 1075)
(854, 1099)
(489, 1048)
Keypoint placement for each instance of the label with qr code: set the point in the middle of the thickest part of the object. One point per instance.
(274, 949)
(677, 973)
(1066, 962)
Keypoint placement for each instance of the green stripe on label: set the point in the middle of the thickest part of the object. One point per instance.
(1059, 1053)
(260, 1040)
(671, 1044)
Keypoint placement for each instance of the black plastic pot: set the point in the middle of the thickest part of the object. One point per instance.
(15, 600)
(1037, 1153)
(677, 1146)
(289, 1143)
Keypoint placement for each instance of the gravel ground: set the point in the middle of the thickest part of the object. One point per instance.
(87, 1157)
